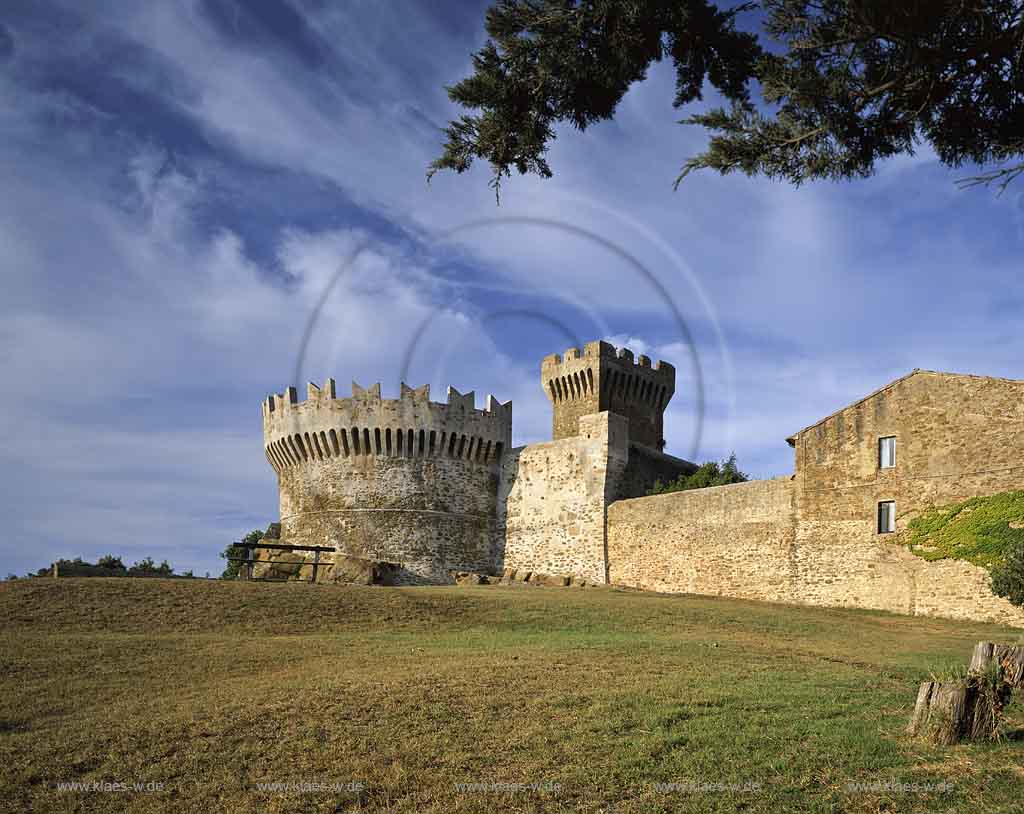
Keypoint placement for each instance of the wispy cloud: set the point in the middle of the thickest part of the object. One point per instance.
(183, 182)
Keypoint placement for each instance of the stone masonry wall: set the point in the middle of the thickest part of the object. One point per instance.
(552, 499)
(814, 539)
(647, 466)
(957, 437)
(727, 540)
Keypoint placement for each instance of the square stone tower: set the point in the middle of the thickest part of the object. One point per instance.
(600, 379)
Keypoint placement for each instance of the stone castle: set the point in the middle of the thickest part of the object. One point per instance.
(438, 488)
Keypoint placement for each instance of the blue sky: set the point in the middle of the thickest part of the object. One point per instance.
(182, 182)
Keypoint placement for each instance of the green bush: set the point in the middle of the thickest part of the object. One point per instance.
(708, 474)
(148, 567)
(231, 569)
(1008, 576)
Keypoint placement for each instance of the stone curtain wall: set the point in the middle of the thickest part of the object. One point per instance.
(647, 466)
(814, 539)
(745, 541)
(552, 499)
(732, 540)
(871, 573)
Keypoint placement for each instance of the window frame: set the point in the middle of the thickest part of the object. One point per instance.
(881, 446)
(890, 509)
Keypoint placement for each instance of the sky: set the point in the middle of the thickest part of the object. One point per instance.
(191, 188)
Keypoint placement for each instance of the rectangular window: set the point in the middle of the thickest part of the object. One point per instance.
(887, 452)
(887, 517)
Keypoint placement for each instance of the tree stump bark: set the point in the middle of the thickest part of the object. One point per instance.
(948, 712)
(1008, 657)
(944, 711)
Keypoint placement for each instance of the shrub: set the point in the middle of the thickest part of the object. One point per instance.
(110, 561)
(231, 569)
(1008, 576)
(149, 568)
(708, 474)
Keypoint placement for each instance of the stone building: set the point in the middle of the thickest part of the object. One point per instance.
(437, 488)
(824, 535)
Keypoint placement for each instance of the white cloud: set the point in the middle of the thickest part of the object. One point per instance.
(161, 327)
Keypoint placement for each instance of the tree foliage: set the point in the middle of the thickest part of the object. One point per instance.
(231, 569)
(110, 561)
(148, 567)
(845, 83)
(1008, 576)
(711, 473)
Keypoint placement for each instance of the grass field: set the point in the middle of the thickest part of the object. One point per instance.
(547, 699)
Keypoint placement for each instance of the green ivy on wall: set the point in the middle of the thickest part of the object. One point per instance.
(980, 531)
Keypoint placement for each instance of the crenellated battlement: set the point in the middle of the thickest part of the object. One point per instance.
(604, 351)
(435, 486)
(602, 378)
(363, 396)
(365, 424)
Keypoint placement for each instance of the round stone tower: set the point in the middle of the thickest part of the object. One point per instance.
(405, 480)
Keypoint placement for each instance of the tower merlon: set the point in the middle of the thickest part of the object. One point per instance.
(322, 426)
(465, 400)
(416, 395)
(606, 378)
(371, 393)
(495, 406)
(599, 349)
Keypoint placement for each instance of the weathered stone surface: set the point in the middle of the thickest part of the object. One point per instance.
(730, 540)
(435, 488)
(553, 497)
(813, 538)
(357, 571)
(279, 565)
(598, 380)
(402, 480)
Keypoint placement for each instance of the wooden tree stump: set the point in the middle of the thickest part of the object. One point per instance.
(944, 711)
(1008, 657)
(948, 712)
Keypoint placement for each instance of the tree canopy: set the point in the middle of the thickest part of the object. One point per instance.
(844, 83)
(232, 569)
(1008, 576)
(707, 474)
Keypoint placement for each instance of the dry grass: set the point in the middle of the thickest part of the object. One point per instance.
(399, 695)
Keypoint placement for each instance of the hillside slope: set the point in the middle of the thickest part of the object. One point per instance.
(540, 699)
